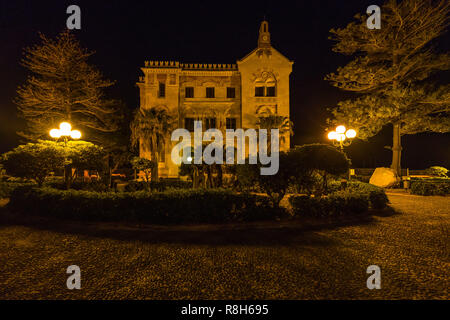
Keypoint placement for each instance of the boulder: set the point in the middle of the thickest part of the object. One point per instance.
(384, 177)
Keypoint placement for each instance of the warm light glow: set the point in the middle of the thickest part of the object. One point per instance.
(332, 135)
(350, 133)
(189, 159)
(65, 128)
(55, 133)
(75, 134)
(340, 137)
(340, 129)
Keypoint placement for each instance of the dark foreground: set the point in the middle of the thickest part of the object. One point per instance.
(260, 261)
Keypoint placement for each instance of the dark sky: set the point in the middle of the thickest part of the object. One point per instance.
(126, 33)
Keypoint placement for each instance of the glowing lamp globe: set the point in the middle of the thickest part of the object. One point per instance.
(55, 133)
(189, 159)
(332, 135)
(340, 137)
(75, 134)
(340, 129)
(65, 128)
(350, 133)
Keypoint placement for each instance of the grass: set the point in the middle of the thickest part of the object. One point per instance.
(289, 260)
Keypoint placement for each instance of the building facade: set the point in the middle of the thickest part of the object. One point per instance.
(222, 96)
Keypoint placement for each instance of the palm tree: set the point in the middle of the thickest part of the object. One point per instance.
(150, 128)
(274, 121)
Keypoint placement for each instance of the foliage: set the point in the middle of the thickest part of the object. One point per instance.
(339, 203)
(275, 186)
(144, 165)
(170, 207)
(437, 171)
(34, 160)
(6, 188)
(273, 121)
(377, 196)
(390, 72)
(63, 86)
(150, 129)
(160, 185)
(312, 164)
(431, 187)
(38, 160)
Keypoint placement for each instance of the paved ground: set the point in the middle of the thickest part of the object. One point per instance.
(260, 261)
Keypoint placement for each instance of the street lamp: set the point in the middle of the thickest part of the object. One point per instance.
(65, 131)
(341, 136)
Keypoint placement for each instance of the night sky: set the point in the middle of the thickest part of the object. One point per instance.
(126, 33)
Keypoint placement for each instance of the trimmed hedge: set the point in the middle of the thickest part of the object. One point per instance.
(377, 196)
(6, 188)
(170, 207)
(161, 185)
(431, 187)
(340, 203)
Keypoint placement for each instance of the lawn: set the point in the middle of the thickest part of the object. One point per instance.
(255, 261)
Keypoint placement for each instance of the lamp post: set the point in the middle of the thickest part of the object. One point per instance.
(342, 137)
(65, 131)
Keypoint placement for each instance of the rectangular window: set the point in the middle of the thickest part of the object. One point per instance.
(231, 92)
(189, 124)
(231, 123)
(209, 123)
(210, 92)
(259, 91)
(189, 92)
(162, 90)
(271, 92)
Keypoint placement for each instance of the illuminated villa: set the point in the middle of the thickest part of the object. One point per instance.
(223, 96)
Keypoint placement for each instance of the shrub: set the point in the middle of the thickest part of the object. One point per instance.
(33, 161)
(340, 203)
(377, 196)
(161, 185)
(312, 160)
(169, 207)
(144, 165)
(437, 171)
(275, 186)
(430, 187)
(6, 188)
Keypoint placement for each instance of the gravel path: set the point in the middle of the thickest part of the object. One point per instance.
(260, 261)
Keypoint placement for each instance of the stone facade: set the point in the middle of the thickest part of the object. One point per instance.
(223, 96)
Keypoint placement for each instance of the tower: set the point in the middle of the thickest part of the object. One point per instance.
(264, 82)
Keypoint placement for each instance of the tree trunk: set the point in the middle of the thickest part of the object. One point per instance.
(155, 171)
(396, 150)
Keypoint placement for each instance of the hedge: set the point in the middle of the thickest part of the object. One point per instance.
(340, 203)
(431, 187)
(6, 188)
(377, 196)
(160, 185)
(169, 207)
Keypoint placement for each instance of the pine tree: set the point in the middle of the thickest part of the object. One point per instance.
(390, 72)
(64, 87)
